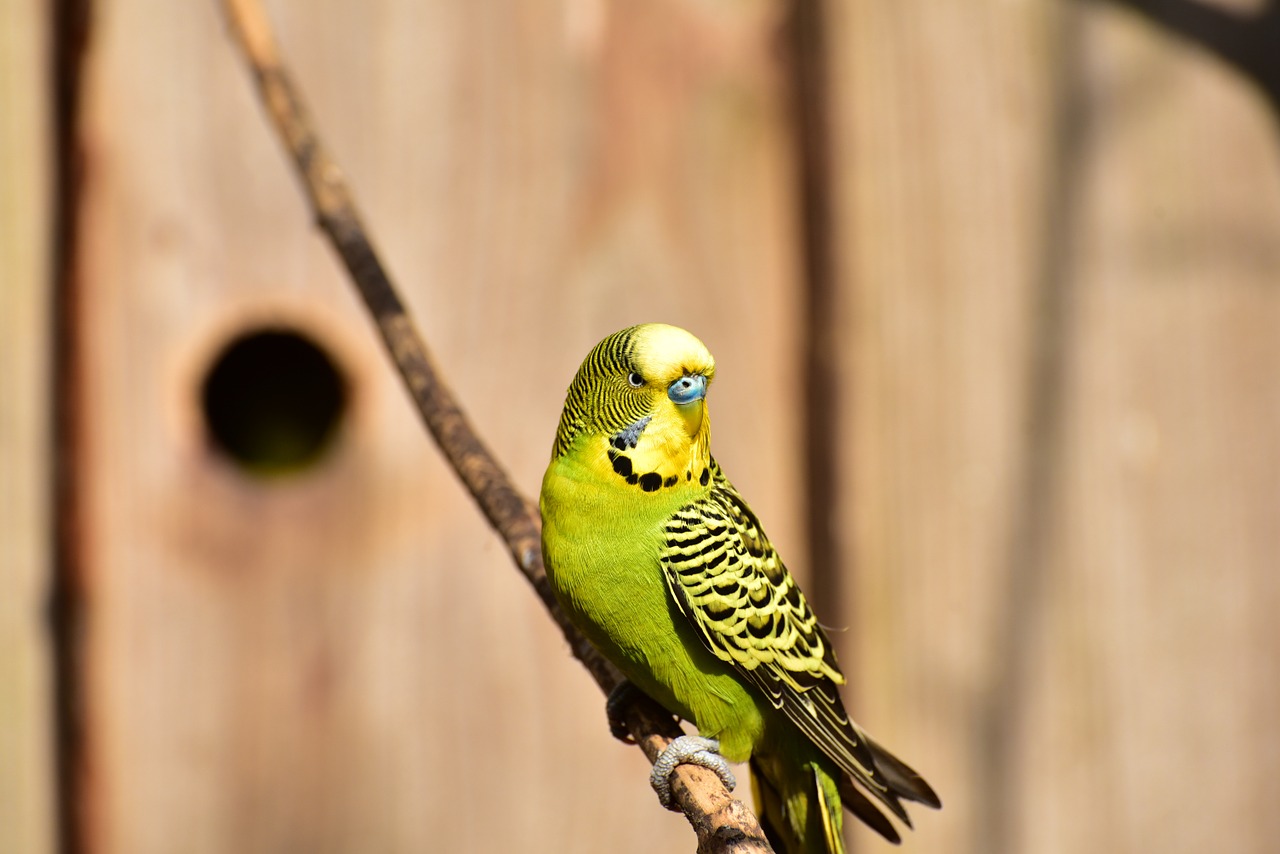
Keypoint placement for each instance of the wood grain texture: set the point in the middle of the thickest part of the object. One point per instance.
(1166, 590)
(26, 731)
(941, 120)
(1060, 270)
(345, 661)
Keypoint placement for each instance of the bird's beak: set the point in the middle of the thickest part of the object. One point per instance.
(688, 389)
(688, 393)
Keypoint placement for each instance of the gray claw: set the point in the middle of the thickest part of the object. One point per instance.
(691, 750)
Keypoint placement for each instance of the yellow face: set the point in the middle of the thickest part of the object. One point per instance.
(676, 369)
(639, 400)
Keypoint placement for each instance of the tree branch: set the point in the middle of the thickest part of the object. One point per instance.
(721, 823)
(1247, 41)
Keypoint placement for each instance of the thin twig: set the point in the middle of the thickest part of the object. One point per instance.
(1248, 41)
(722, 823)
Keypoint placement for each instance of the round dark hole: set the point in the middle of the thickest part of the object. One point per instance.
(273, 401)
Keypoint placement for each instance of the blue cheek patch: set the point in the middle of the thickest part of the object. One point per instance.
(627, 438)
(688, 389)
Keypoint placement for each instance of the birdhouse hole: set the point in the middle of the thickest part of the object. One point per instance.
(273, 401)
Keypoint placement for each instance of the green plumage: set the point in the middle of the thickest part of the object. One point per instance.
(664, 567)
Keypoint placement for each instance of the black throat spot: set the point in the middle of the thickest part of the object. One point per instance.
(621, 464)
(649, 481)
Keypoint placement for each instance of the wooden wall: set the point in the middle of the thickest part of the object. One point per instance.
(26, 728)
(1053, 325)
(1060, 226)
(344, 659)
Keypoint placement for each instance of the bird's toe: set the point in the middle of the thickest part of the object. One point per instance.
(691, 750)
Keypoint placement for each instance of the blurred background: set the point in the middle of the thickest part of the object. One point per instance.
(993, 290)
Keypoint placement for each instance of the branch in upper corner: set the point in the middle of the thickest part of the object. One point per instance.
(1247, 41)
(722, 823)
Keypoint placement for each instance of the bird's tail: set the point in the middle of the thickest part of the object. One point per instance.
(798, 805)
(799, 802)
(901, 778)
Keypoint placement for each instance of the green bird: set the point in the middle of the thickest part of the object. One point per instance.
(661, 563)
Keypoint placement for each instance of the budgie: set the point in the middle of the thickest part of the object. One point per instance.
(661, 563)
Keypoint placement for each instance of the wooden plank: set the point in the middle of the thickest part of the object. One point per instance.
(344, 660)
(1059, 286)
(26, 738)
(1163, 622)
(940, 124)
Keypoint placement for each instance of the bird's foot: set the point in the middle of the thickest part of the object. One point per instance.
(691, 750)
(614, 707)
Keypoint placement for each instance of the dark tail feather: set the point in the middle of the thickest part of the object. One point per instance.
(899, 781)
(866, 812)
(903, 781)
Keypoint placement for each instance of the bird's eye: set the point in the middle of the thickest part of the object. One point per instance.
(635, 379)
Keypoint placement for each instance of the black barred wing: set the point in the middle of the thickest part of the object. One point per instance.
(732, 586)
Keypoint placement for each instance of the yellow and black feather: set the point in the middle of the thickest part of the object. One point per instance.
(730, 583)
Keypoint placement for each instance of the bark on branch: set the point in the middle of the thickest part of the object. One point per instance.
(1249, 42)
(722, 823)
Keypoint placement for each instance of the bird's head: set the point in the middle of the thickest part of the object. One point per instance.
(639, 403)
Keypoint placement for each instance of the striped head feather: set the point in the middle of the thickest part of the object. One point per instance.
(636, 408)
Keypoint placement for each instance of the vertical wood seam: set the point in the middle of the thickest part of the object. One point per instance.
(809, 77)
(69, 31)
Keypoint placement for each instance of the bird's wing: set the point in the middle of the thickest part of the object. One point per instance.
(732, 586)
